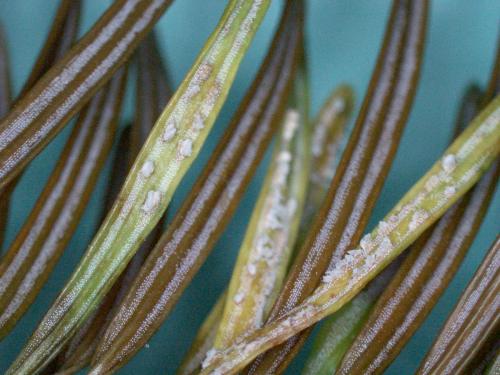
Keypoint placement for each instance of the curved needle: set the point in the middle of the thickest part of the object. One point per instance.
(209, 206)
(326, 143)
(59, 40)
(430, 266)
(61, 36)
(267, 246)
(456, 172)
(169, 151)
(362, 170)
(79, 350)
(152, 93)
(72, 81)
(27, 263)
(340, 330)
(476, 314)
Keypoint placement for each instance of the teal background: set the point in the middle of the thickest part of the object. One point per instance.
(343, 38)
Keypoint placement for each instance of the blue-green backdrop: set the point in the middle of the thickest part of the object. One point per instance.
(343, 38)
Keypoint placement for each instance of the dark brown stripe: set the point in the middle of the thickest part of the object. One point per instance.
(152, 94)
(423, 277)
(29, 260)
(72, 81)
(208, 208)
(61, 36)
(361, 172)
(431, 264)
(475, 316)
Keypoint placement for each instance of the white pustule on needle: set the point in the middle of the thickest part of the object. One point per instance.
(169, 132)
(449, 163)
(148, 168)
(186, 148)
(152, 201)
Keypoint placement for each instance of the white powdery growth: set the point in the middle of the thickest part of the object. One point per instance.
(291, 207)
(281, 174)
(239, 297)
(273, 220)
(201, 75)
(185, 148)
(270, 241)
(385, 245)
(357, 254)
(357, 262)
(348, 263)
(169, 132)
(208, 104)
(148, 168)
(393, 220)
(262, 246)
(351, 258)
(489, 127)
(292, 119)
(366, 242)
(239, 40)
(206, 100)
(383, 227)
(335, 273)
(450, 191)
(198, 122)
(208, 358)
(105, 242)
(449, 163)
(279, 210)
(332, 274)
(327, 296)
(317, 144)
(204, 71)
(411, 210)
(252, 269)
(192, 90)
(285, 156)
(152, 201)
(432, 182)
(325, 122)
(418, 218)
(370, 260)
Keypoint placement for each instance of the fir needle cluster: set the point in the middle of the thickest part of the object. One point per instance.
(306, 253)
